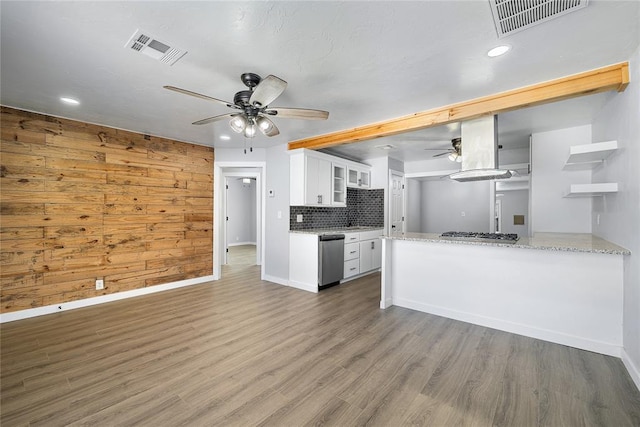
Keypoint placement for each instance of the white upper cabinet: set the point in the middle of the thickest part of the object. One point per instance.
(318, 179)
(317, 182)
(338, 184)
(359, 177)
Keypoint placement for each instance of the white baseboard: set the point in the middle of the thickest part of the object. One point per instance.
(302, 286)
(516, 328)
(274, 279)
(72, 305)
(386, 303)
(242, 243)
(633, 370)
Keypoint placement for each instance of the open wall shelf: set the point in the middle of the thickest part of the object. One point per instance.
(588, 156)
(592, 190)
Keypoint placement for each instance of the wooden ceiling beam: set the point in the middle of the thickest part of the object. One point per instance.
(609, 78)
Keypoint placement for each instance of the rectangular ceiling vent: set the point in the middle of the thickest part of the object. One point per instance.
(511, 16)
(144, 43)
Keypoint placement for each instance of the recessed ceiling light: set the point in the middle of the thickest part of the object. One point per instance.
(498, 50)
(69, 101)
(225, 137)
(385, 147)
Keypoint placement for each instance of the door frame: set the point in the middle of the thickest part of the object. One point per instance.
(222, 170)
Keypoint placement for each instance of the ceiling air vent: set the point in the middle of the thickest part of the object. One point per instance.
(511, 16)
(144, 43)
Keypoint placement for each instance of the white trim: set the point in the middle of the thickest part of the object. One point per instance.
(302, 286)
(242, 243)
(218, 184)
(87, 302)
(276, 280)
(360, 275)
(515, 328)
(386, 303)
(633, 370)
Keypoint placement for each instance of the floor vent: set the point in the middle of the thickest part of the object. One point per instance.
(144, 43)
(511, 16)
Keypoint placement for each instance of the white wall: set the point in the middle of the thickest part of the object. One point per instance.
(444, 202)
(241, 211)
(277, 215)
(413, 193)
(620, 213)
(515, 202)
(237, 155)
(550, 211)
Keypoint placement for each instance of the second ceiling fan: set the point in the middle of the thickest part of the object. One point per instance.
(252, 106)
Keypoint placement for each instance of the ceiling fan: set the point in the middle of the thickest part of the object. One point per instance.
(455, 153)
(252, 106)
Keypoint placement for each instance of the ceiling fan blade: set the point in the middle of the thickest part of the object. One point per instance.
(199, 95)
(214, 119)
(266, 126)
(298, 113)
(441, 154)
(267, 91)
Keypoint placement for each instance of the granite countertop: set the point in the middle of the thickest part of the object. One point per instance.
(568, 242)
(338, 230)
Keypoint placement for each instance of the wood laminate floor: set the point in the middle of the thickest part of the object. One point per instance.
(241, 255)
(244, 352)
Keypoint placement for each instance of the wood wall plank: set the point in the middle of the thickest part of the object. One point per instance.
(81, 201)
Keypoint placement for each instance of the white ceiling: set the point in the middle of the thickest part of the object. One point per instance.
(361, 61)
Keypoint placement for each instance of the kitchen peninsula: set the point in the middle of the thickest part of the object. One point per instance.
(563, 288)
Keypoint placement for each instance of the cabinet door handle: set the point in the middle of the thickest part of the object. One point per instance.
(373, 245)
(319, 199)
(352, 268)
(352, 252)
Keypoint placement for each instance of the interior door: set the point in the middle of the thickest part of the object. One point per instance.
(396, 185)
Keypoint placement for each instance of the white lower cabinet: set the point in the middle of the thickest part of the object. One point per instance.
(351, 256)
(370, 254)
(362, 252)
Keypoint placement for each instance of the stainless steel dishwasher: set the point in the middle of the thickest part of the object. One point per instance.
(330, 260)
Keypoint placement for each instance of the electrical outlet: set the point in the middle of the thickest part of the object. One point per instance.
(99, 284)
(299, 218)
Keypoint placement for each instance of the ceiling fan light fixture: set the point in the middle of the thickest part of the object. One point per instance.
(459, 159)
(453, 157)
(238, 124)
(265, 124)
(250, 130)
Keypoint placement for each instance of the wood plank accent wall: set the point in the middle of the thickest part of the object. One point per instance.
(80, 201)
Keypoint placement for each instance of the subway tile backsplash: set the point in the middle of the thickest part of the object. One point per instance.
(365, 208)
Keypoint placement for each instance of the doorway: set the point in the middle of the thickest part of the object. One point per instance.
(241, 215)
(224, 172)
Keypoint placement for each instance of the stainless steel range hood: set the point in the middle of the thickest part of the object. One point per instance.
(480, 151)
